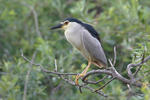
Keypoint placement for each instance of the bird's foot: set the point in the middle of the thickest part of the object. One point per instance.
(82, 74)
(78, 77)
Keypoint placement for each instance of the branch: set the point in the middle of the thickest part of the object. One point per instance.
(138, 69)
(130, 66)
(105, 84)
(27, 77)
(93, 82)
(61, 75)
(43, 69)
(111, 71)
(56, 73)
(115, 56)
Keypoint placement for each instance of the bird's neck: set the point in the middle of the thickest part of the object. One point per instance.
(73, 27)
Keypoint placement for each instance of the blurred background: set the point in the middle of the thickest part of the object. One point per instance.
(25, 25)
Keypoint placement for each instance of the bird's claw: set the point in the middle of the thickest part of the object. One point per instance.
(77, 78)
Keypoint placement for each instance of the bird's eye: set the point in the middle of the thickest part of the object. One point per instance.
(66, 22)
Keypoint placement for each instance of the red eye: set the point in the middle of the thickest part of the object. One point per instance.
(66, 22)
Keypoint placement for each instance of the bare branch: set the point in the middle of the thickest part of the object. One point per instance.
(61, 76)
(43, 69)
(115, 56)
(129, 87)
(56, 65)
(105, 84)
(27, 77)
(138, 69)
(130, 66)
(93, 82)
(110, 71)
(112, 66)
(98, 92)
(83, 86)
(56, 73)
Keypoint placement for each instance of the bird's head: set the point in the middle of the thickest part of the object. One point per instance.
(68, 22)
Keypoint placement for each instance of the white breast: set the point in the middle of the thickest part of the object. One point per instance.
(74, 35)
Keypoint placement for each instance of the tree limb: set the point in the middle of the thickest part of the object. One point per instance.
(111, 71)
(27, 77)
(130, 66)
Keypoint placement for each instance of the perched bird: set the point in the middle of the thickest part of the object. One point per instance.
(85, 38)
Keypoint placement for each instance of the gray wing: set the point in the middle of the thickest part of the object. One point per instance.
(94, 48)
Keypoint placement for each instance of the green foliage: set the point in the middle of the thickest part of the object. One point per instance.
(124, 23)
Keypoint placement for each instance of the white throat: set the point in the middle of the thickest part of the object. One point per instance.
(73, 34)
(73, 26)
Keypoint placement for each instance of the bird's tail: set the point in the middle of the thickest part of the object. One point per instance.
(99, 64)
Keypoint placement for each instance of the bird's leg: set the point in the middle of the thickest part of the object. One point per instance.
(83, 73)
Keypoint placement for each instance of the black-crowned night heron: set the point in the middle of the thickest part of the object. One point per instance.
(85, 38)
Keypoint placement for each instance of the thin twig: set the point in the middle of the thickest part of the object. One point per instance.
(83, 86)
(129, 87)
(98, 92)
(111, 71)
(115, 56)
(45, 70)
(27, 77)
(56, 73)
(56, 65)
(111, 64)
(105, 84)
(139, 68)
(93, 82)
(130, 66)
(61, 75)
(130, 93)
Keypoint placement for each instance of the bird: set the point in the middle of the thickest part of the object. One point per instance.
(86, 39)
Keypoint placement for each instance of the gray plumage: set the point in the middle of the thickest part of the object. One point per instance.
(85, 38)
(89, 46)
(94, 48)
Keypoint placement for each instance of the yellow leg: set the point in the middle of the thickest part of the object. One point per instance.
(83, 73)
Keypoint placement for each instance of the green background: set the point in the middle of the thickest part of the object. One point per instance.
(25, 25)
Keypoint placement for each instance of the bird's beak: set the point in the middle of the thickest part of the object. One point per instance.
(57, 26)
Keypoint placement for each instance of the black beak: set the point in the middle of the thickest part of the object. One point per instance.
(57, 26)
